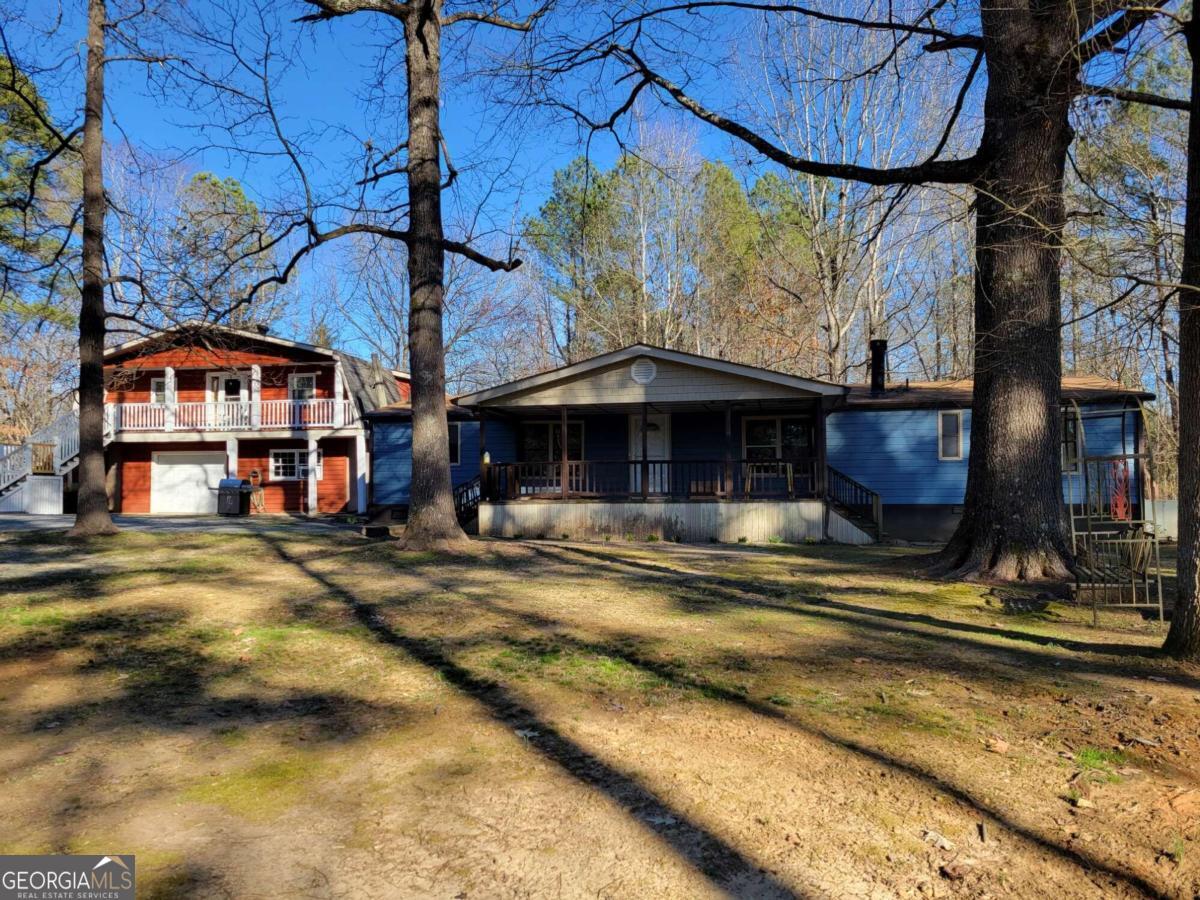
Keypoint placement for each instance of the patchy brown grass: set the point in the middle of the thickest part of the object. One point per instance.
(292, 715)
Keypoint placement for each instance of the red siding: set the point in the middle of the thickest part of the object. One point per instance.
(333, 490)
(133, 385)
(133, 478)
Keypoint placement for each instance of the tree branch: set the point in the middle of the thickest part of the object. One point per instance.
(1128, 96)
(953, 171)
(495, 19)
(1129, 21)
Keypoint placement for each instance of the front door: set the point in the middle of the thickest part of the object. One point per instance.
(658, 449)
(228, 401)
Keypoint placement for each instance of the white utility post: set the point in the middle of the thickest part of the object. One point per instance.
(169, 396)
(312, 476)
(339, 418)
(231, 458)
(255, 396)
(360, 472)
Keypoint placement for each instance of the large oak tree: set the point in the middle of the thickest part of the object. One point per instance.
(1033, 54)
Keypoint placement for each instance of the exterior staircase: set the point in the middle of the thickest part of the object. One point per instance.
(50, 451)
(466, 504)
(854, 501)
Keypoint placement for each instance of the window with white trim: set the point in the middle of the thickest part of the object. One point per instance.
(302, 386)
(455, 443)
(950, 434)
(158, 390)
(292, 465)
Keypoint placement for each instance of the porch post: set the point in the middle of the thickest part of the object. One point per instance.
(231, 458)
(822, 455)
(360, 472)
(312, 476)
(256, 396)
(338, 406)
(645, 455)
(169, 391)
(483, 458)
(728, 448)
(563, 475)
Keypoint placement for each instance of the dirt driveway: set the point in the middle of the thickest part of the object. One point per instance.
(287, 714)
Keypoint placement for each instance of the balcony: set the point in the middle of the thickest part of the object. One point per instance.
(264, 415)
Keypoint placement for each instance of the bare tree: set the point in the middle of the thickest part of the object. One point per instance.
(415, 220)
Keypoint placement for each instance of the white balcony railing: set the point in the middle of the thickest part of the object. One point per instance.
(266, 415)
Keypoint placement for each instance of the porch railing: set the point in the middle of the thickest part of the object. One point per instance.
(673, 478)
(232, 415)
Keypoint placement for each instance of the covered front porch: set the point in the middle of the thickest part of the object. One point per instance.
(676, 451)
(657, 443)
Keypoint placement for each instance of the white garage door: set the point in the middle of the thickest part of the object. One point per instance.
(185, 482)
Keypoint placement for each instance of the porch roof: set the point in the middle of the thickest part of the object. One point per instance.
(641, 373)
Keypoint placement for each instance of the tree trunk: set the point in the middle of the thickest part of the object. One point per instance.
(1183, 640)
(431, 518)
(92, 516)
(1013, 525)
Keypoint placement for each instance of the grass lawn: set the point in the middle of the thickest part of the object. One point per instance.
(298, 715)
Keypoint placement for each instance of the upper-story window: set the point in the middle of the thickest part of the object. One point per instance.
(302, 386)
(950, 434)
(158, 390)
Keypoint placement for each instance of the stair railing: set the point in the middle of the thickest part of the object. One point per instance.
(15, 465)
(857, 498)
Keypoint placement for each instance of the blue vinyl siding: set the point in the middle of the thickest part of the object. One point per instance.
(895, 452)
(604, 437)
(392, 463)
(701, 436)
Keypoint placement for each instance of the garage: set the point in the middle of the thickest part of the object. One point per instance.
(185, 482)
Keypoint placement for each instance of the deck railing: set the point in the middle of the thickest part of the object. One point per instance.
(232, 415)
(673, 478)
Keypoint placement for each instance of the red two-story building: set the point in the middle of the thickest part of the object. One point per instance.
(192, 405)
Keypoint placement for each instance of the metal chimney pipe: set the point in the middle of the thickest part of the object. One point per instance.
(878, 365)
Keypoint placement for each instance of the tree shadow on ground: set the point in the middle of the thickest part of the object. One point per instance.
(722, 864)
(707, 852)
(626, 647)
(716, 590)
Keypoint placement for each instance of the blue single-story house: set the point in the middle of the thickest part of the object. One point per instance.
(679, 446)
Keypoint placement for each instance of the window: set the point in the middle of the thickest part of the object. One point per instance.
(225, 388)
(302, 386)
(950, 439)
(158, 390)
(455, 443)
(292, 465)
(1070, 448)
(542, 441)
(777, 437)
